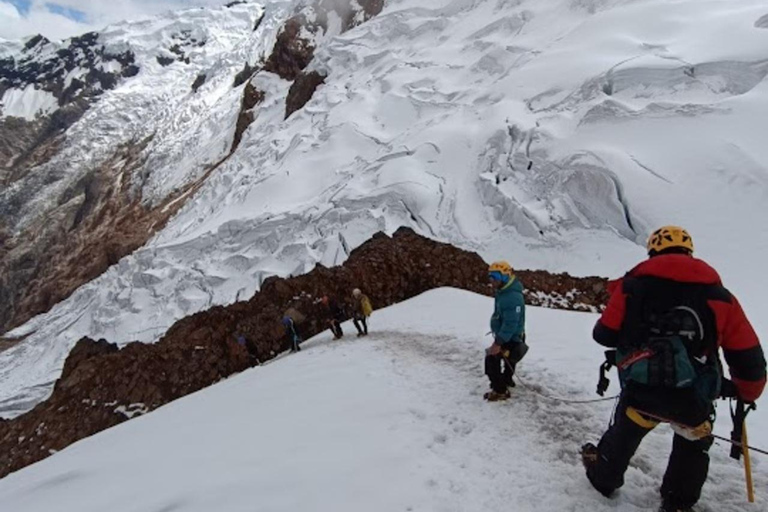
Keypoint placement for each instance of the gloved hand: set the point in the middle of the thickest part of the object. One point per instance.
(728, 389)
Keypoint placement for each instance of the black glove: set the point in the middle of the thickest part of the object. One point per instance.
(728, 389)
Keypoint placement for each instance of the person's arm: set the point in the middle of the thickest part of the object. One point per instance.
(608, 326)
(743, 353)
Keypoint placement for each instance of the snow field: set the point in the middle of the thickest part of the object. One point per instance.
(394, 421)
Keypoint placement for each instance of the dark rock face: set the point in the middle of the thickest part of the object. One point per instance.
(97, 221)
(199, 81)
(48, 70)
(182, 43)
(102, 386)
(291, 52)
(65, 247)
(45, 67)
(301, 91)
(251, 98)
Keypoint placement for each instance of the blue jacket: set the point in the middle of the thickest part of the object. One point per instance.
(508, 320)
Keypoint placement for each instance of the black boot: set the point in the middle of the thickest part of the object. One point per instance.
(493, 396)
(665, 507)
(590, 456)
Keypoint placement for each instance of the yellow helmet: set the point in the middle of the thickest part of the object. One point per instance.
(503, 268)
(668, 237)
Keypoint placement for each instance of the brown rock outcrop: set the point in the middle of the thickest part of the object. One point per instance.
(251, 98)
(101, 386)
(291, 52)
(301, 91)
(97, 221)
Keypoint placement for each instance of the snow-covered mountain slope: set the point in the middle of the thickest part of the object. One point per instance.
(131, 117)
(394, 421)
(188, 128)
(555, 133)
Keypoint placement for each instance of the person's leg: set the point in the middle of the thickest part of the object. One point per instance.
(516, 353)
(356, 322)
(508, 373)
(365, 326)
(338, 328)
(606, 468)
(686, 472)
(493, 371)
(332, 324)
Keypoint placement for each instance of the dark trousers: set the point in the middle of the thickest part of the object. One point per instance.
(362, 321)
(293, 339)
(336, 328)
(686, 471)
(500, 370)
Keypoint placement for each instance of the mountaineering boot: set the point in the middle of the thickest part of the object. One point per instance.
(493, 396)
(590, 456)
(672, 508)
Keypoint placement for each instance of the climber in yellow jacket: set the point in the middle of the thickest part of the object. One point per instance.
(361, 310)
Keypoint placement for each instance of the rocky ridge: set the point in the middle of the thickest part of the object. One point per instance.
(102, 386)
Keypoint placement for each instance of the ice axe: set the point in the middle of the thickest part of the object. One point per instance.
(739, 435)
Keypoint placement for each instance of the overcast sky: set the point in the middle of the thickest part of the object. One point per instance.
(59, 19)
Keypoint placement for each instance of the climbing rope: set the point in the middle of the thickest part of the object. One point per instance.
(564, 400)
(606, 399)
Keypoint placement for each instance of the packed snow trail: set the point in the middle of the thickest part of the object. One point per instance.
(390, 422)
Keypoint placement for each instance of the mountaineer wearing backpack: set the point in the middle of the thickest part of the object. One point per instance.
(666, 319)
(508, 328)
(361, 310)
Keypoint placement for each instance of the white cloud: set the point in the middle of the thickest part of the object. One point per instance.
(8, 12)
(98, 14)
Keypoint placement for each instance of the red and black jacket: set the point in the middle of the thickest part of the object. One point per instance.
(735, 334)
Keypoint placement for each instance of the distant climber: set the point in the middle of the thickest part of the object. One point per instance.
(508, 329)
(666, 319)
(361, 310)
(294, 340)
(337, 315)
(243, 341)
